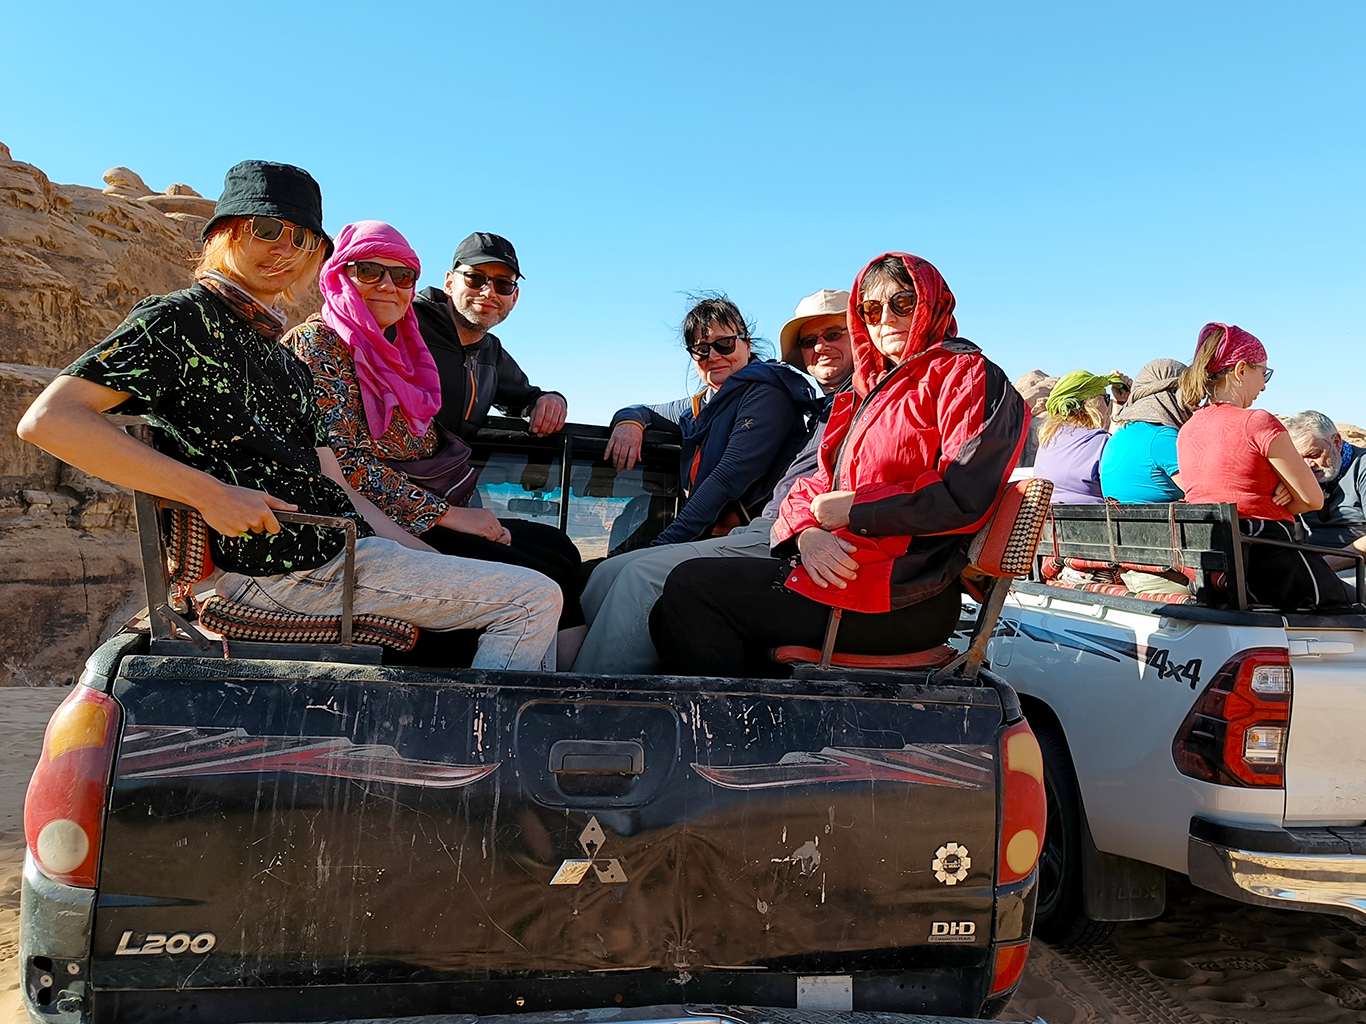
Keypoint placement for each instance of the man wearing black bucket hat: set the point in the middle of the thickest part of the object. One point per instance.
(480, 291)
(237, 434)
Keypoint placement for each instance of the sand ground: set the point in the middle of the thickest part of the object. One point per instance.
(1207, 960)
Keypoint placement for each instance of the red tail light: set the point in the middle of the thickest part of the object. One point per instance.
(63, 814)
(1022, 805)
(1010, 964)
(1235, 734)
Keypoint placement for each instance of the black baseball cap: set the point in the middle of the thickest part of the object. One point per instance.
(485, 247)
(259, 188)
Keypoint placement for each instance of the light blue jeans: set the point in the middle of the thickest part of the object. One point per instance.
(517, 608)
(622, 591)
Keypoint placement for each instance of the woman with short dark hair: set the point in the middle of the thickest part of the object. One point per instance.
(739, 433)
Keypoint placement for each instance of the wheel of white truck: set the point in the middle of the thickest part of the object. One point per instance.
(1060, 915)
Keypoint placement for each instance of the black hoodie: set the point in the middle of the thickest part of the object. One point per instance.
(473, 377)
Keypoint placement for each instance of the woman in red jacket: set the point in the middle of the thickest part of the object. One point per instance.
(912, 463)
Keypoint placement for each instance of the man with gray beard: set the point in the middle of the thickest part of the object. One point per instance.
(1341, 472)
(480, 291)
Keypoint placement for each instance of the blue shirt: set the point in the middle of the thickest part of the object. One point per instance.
(1138, 464)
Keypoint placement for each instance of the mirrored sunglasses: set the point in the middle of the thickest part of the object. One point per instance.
(902, 304)
(367, 272)
(268, 229)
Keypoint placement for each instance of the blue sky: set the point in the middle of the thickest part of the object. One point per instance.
(1095, 181)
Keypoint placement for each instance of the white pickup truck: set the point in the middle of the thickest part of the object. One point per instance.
(1212, 738)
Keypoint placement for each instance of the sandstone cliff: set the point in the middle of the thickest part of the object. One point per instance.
(73, 261)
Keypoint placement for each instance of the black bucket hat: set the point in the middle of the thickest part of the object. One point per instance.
(259, 188)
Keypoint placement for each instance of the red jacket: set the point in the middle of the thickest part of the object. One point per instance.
(927, 446)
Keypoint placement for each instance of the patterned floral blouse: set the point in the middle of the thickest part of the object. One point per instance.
(338, 395)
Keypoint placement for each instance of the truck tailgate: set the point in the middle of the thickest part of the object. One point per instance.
(1325, 768)
(375, 826)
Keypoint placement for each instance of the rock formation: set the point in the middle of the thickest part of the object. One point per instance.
(73, 261)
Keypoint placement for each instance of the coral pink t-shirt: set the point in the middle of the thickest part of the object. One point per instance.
(1222, 452)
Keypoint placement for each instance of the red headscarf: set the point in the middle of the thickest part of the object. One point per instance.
(392, 375)
(931, 322)
(1237, 345)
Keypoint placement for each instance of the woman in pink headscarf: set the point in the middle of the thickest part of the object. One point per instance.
(1230, 452)
(378, 390)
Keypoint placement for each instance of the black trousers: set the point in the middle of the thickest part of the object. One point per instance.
(1286, 579)
(721, 616)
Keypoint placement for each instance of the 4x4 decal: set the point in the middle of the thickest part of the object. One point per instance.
(1155, 658)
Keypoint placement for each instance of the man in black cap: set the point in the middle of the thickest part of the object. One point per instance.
(237, 435)
(480, 291)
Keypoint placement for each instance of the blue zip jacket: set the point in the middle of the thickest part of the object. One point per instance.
(740, 442)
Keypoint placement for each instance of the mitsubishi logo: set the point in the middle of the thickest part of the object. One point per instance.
(573, 870)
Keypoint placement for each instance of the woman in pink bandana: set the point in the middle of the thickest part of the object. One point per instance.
(378, 390)
(1230, 452)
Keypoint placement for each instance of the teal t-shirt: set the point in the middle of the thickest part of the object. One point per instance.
(1138, 463)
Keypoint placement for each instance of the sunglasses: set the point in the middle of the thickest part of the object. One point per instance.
(1266, 374)
(699, 350)
(902, 304)
(373, 273)
(830, 334)
(268, 229)
(475, 280)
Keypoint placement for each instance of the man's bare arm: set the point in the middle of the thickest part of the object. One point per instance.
(1336, 562)
(67, 421)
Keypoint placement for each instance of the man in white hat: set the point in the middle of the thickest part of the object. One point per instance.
(621, 592)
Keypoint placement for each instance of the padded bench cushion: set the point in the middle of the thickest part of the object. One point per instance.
(188, 561)
(1104, 578)
(1051, 567)
(1120, 590)
(242, 622)
(936, 657)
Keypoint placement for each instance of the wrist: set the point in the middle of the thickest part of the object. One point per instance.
(201, 491)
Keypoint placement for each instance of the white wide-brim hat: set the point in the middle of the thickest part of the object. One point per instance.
(826, 302)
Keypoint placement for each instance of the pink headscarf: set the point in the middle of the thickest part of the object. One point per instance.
(1237, 344)
(399, 374)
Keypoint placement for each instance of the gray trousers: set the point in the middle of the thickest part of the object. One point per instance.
(622, 591)
(517, 608)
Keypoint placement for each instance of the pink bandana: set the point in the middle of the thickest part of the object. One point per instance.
(1237, 345)
(392, 375)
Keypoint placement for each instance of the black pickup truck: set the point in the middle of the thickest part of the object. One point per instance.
(225, 835)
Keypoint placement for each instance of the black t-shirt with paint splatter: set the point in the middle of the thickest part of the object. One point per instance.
(229, 401)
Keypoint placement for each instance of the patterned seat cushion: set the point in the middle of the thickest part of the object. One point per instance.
(936, 657)
(189, 563)
(243, 622)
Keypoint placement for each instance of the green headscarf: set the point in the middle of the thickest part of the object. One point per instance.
(1075, 389)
